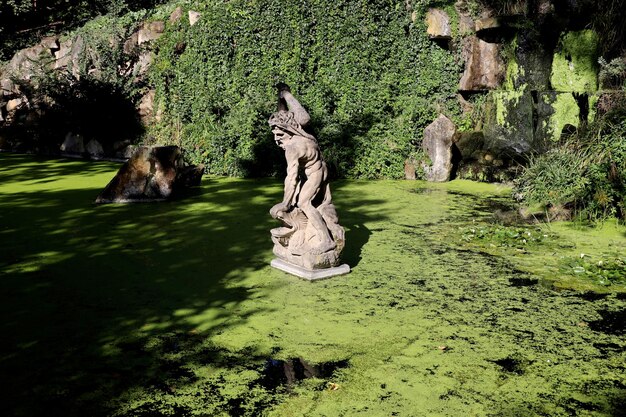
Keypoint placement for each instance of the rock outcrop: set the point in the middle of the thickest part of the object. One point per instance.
(151, 174)
(438, 23)
(484, 68)
(438, 139)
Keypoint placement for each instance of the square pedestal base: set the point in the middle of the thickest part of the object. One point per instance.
(308, 274)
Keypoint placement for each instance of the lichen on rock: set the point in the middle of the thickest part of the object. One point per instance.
(574, 65)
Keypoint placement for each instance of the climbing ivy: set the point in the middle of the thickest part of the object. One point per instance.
(365, 70)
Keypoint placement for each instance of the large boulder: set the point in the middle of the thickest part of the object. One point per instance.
(151, 174)
(150, 31)
(94, 149)
(438, 139)
(29, 62)
(508, 123)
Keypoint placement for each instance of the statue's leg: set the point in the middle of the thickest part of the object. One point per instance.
(309, 190)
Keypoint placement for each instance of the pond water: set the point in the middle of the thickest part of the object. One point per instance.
(173, 309)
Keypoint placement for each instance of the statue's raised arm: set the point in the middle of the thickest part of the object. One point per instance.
(286, 101)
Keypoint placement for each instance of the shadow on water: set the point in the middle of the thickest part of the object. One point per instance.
(354, 221)
(286, 373)
(87, 292)
(101, 301)
(612, 322)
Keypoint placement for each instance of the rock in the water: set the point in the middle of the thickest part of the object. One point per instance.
(438, 139)
(94, 148)
(151, 174)
(190, 176)
(73, 144)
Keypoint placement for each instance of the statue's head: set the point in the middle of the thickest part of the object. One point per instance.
(284, 126)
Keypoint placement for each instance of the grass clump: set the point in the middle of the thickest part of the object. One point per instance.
(585, 174)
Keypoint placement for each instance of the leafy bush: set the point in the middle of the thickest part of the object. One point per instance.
(613, 73)
(555, 178)
(587, 174)
(24, 22)
(368, 75)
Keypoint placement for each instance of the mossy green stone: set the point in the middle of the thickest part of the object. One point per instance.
(509, 121)
(574, 65)
(566, 112)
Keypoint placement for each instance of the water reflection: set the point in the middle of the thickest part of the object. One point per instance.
(277, 373)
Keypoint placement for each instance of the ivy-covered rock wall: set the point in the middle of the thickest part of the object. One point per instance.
(513, 76)
(365, 70)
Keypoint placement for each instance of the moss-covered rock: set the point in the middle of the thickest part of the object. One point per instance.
(508, 122)
(574, 65)
(556, 112)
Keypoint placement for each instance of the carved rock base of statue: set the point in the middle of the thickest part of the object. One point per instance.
(311, 275)
(297, 246)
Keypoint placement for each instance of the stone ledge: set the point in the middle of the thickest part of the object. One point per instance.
(311, 275)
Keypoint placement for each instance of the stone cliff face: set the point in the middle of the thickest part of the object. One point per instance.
(530, 77)
(28, 101)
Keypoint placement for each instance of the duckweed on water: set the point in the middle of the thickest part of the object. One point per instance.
(172, 308)
(518, 237)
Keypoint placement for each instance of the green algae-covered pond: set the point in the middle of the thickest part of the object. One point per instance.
(172, 308)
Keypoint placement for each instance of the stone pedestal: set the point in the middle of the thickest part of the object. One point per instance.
(310, 274)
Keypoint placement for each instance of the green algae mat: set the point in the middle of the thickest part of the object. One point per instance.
(171, 309)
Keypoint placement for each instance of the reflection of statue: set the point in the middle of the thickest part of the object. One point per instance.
(311, 237)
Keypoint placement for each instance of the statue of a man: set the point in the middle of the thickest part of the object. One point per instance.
(306, 189)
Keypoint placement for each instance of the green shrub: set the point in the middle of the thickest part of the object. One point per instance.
(612, 73)
(368, 75)
(556, 178)
(587, 174)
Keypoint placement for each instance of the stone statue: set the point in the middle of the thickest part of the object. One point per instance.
(310, 241)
